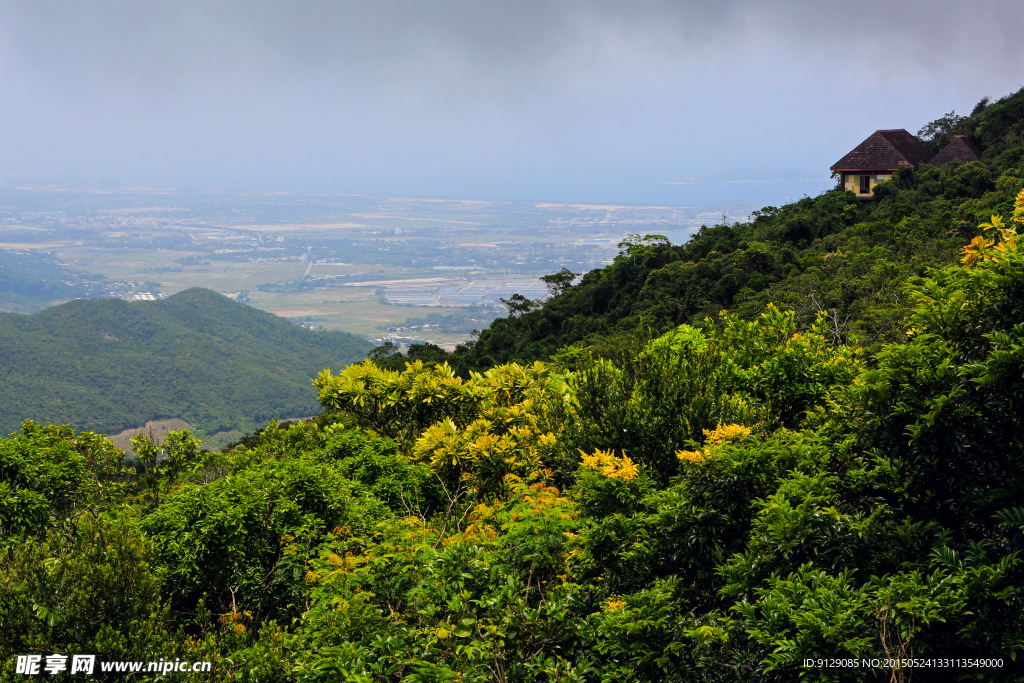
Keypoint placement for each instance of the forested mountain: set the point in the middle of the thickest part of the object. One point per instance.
(824, 483)
(108, 365)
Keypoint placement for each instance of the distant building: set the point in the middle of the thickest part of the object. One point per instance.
(887, 151)
(875, 160)
(958, 149)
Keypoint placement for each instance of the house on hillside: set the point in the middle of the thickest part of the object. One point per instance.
(875, 160)
(958, 149)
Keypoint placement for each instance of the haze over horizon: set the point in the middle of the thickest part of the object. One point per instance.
(558, 100)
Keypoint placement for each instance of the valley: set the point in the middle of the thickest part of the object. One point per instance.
(328, 261)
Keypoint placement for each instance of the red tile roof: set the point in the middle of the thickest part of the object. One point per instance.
(959, 149)
(886, 150)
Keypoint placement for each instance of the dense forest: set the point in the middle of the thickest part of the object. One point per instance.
(787, 450)
(107, 364)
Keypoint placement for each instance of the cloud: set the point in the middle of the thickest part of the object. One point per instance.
(516, 97)
(161, 44)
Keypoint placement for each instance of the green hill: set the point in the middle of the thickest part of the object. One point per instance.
(108, 365)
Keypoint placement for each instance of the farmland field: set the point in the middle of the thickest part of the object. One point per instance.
(359, 264)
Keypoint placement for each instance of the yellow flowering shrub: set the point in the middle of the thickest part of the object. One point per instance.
(399, 404)
(996, 237)
(614, 602)
(470, 432)
(610, 466)
(715, 437)
(690, 456)
(481, 526)
(724, 433)
(539, 499)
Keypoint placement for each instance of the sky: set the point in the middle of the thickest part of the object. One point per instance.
(664, 102)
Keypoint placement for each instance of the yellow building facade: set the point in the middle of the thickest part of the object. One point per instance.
(863, 183)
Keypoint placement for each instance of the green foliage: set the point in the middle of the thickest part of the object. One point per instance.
(49, 474)
(241, 543)
(994, 126)
(687, 382)
(162, 465)
(406, 487)
(388, 357)
(397, 404)
(559, 282)
(517, 305)
(90, 587)
(939, 132)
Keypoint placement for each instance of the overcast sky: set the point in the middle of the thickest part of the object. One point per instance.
(522, 99)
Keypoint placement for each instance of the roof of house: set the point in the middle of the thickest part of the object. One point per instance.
(958, 149)
(886, 150)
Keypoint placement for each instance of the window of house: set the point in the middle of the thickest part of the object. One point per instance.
(865, 184)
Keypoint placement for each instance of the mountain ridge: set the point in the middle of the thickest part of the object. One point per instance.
(108, 365)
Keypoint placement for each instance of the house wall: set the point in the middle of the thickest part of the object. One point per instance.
(851, 180)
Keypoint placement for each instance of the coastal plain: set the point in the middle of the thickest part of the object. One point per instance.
(376, 267)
